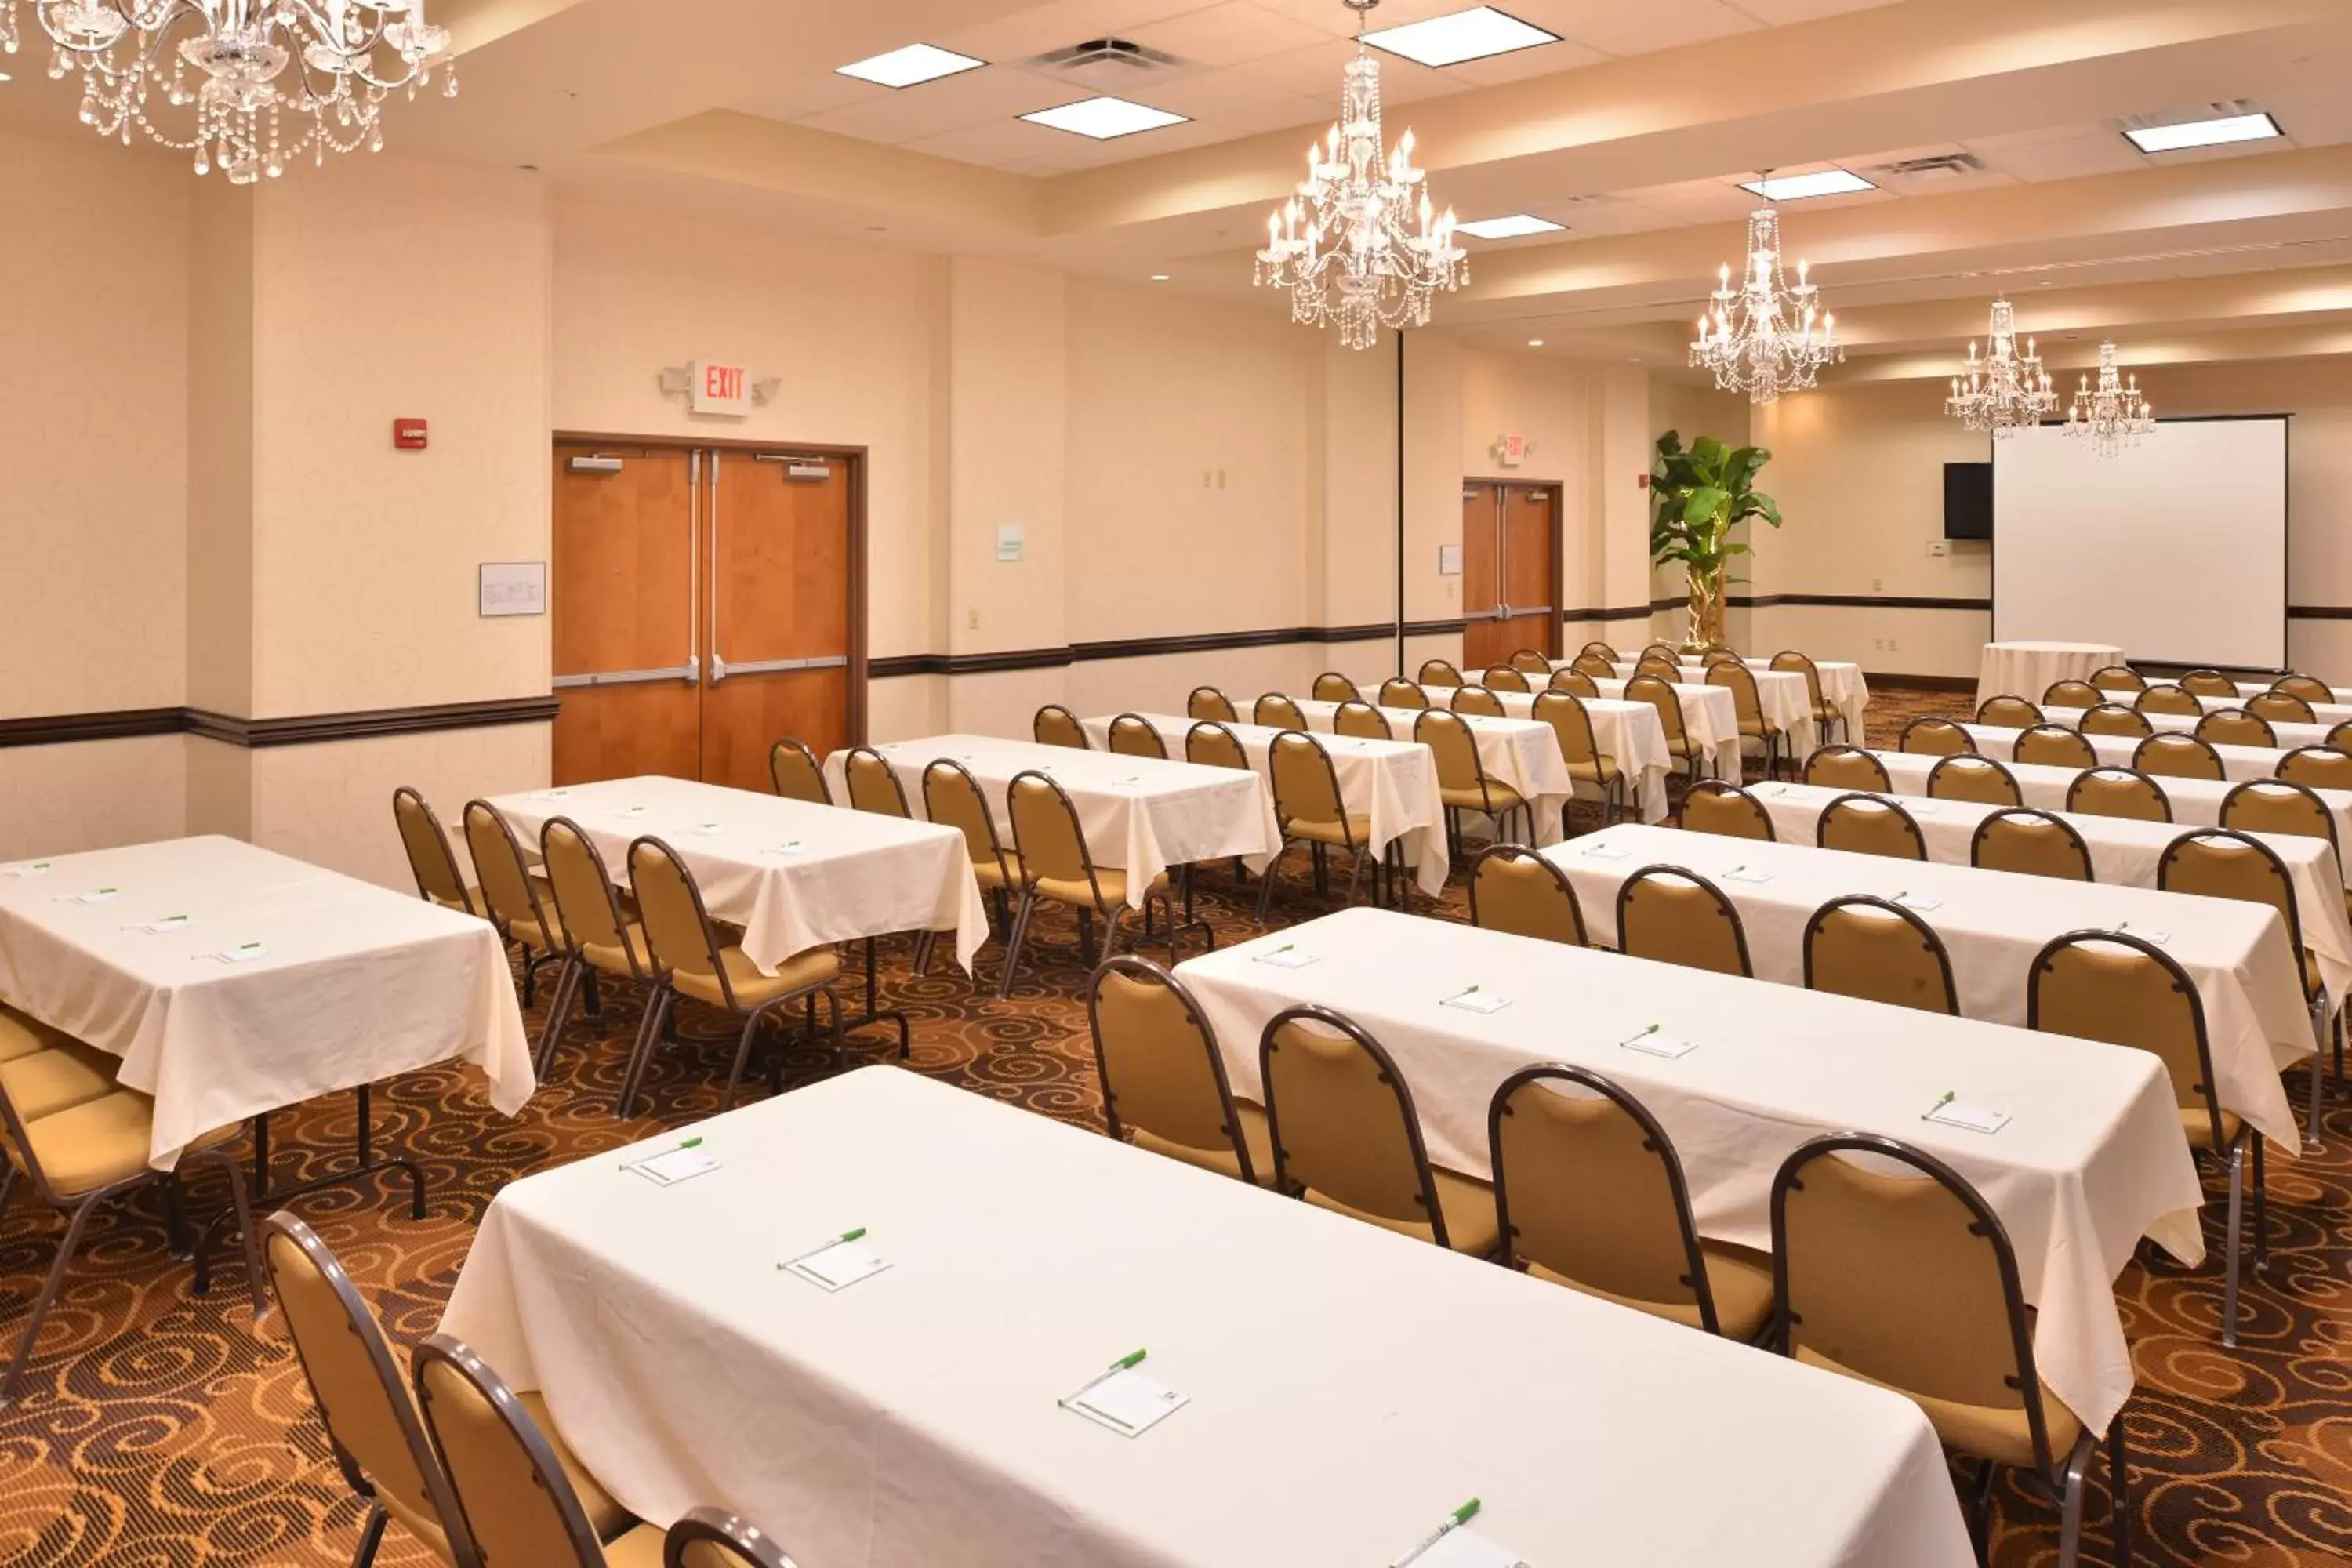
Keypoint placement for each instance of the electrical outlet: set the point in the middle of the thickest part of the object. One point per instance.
(1877, 585)
(1204, 478)
(1895, 644)
(1939, 547)
(971, 621)
(1221, 479)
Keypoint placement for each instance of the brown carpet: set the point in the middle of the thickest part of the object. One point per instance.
(158, 1430)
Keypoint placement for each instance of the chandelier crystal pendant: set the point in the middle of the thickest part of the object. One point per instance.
(246, 85)
(1360, 242)
(2112, 414)
(1764, 337)
(2006, 389)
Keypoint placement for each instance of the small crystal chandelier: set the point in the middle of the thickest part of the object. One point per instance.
(263, 81)
(2005, 389)
(1352, 243)
(1765, 338)
(2112, 414)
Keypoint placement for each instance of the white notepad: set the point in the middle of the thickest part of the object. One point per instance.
(95, 896)
(1287, 958)
(705, 829)
(1747, 874)
(1968, 1117)
(243, 952)
(1605, 851)
(674, 1166)
(1652, 1043)
(551, 794)
(164, 927)
(1477, 1002)
(1920, 806)
(1127, 1402)
(2146, 933)
(1466, 1548)
(31, 868)
(626, 811)
(790, 847)
(837, 1266)
(1919, 901)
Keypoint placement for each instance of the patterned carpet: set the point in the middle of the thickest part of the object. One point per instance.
(159, 1430)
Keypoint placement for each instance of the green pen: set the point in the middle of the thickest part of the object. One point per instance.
(693, 1143)
(1124, 1363)
(1461, 994)
(846, 1236)
(1453, 1522)
(1948, 1096)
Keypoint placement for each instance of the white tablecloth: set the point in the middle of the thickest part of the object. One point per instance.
(353, 982)
(1393, 782)
(2028, 670)
(1842, 686)
(1993, 922)
(1521, 752)
(2327, 714)
(2289, 733)
(795, 876)
(2240, 763)
(1710, 718)
(1138, 815)
(1348, 1387)
(1629, 733)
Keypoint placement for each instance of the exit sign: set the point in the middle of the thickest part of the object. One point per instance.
(720, 388)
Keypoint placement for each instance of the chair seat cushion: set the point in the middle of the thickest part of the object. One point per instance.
(101, 1142)
(1111, 880)
(60, 1079)
(530, 934)
(1222, 1161)
(1601, 770)
(2199, 1126)
(21, 1035)
(753, 989)
(1357, 833)
(1998, 1433)
(1502, 796)
(614, 960)
(606, 1517)
(422, 1525)
(1468, 1206)
(641, 1547)
(992, 875)
(1742, 1288)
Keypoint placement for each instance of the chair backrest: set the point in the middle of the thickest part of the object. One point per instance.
(1132, 735)
(2118, 678)
(2008, 713)
(874, 783)
(1740, 681)
(1980, 779)
(952, 798)
(518, 1505)
(1669, 670)
(2114, 719)
(1789, 661)
(1571, 725)
(2071, 694)
(1532, 661)
(2054, 746)
(1210, 704)
(1659, 692)
(2235, 727)
(2318, 767)
(713, 1538)
(1846, 767)
(1046, 832)
(1275, 711)
(793, 769)
(1933, 737)
(2220, 864)
(2307, 687)
(1602, 650)
(2173, 755)
(1342, 1122)
(1158, 1060)
(1055, 725)
(1714, 806)
(2033, 843)
(1478, 699)
(1362, 720)
(1213, 745)
(2339, 737)
(1453, 748)
(430, 861)
(587, 905)
(2118, 791)
(1599, 666)
(1664, 650)
(679, 937)
(1306, 787)
(2280, 805)
(1398, 693)
(1438, 672)
(1575, 682)
(1677, 915)
(1333, 687)
(1877, 950)
(2116, 987)
(1588, 1187)
(2167, 697)
(1867, 825)
(1505, 678)
(1518, 890)
(507, 893)
(2281, 708)
(2208, 683)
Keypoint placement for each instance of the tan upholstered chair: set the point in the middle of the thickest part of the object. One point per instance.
(2220, 863)
(1877, 950)
(1588, 766)
(1664, 650)
(1308, 805)
(1462, 780)
(1908, 1280)
(2118, 791)
(1275, 711)
(952, 798)
(1347, 1138)
(1605, 650)
(874, 785)
(713, 1538)
(1847, 767)
(1973, 778)
(600, 935)
(1055, 725)
(2280, 805)
(1676, 916)
(1504, 678)
(1662, 666)
(2235, 727)
(1590, 1193)
(1361, 720)
(1829, 719)
(2030, 843)
(429, 857)
(2054, 746)
(2166, 697)
(2172, 756)
(1438, 672)
(1532, 661)
(1714, 806)
(1163, 1079)
(1596, 666)
(1518, 890)
(1660, 694)
(1576, 683)
(793, 769)
(1478, 699)
(2209, 683)
(2281, 708)
(2339, 738)
(1333, 687)
(2115, 719)
(2311, 690)
(1132, 735)
(687, 960)
(1210, 704)
(1057, 867)
(1398, 693)
(509, 896)
(1934, 736)
(2008, 713)
(2318, 767)
(2072, 694)
(1750, 707)
(1869, 825)
(2118, 678)
(1211, 746)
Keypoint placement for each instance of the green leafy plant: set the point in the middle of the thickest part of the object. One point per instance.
(1697, 497)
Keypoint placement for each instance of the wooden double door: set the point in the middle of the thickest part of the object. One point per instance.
(1510, 571)
(704, 607)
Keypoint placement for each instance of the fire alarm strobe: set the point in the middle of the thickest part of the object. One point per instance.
(408, 434)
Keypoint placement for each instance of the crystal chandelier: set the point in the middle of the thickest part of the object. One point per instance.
(1765, 338)
(1353, 243)
(262, 82)
(2114, 415)
(2005, 389)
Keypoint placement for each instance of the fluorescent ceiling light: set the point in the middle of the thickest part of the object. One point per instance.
(1470, 34)
(1510, 227)
(904, 68)
(2204, 133)
(1104, 117)
(1797, 187)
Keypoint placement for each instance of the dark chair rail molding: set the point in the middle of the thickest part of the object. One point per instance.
(891, 665)
(309, 729)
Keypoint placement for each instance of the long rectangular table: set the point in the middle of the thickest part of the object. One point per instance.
(1993, 922)
(1710, 718)
(2288, 733)
(2239, 763)
(1628, 733)
(1843, 685)
(1348, 1387)
(1521, 752)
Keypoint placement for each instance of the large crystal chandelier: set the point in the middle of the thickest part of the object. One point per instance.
(1359, 241)
(1765, 338)
(2112, 414)
(261, 83)
(2005, 389)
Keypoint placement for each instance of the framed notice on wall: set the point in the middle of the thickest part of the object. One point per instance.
(514, 587)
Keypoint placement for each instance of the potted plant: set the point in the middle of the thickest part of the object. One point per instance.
(1698, 497)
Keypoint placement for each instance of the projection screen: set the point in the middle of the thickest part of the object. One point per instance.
(2174, 550)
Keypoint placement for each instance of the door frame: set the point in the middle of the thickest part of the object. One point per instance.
(854, 458)
(1558, 489)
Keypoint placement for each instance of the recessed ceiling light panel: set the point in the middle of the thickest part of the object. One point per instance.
(2203, 133)
(904, 68)
(1510, 227)
(1104, 117)
(1470, 35)
(1797, 187)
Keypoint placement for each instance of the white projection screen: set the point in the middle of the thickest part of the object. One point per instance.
(2174, 550)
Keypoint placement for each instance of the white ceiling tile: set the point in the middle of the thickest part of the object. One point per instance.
(2067, 157)
(1332, 17)
(1633, 27)
(1057, 24)
(1239, 105)
(1519, 65)
(1315, 72)
(994, 142)
(1227, 34)
(970, 99)
(809, 93)
(1780, 12)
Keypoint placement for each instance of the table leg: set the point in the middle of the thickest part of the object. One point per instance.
(365, 1169)
(875, 1013)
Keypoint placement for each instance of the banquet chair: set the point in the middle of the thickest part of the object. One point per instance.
(2030, 843)
(1480, 701)
(509, 896)
(2115, 719)
(1163, 1079)
(1660, 667)
(713, 1538)
(430, 859)
(1505, 678)
(1333, 687)
(793, 769)
(1828, 717)
(1588, 765)
(2339, 738)
(1575, 682)
(1590, 1193)
(1908, 1280)
(1347, 1138)
(2166, 696)
(1747, 705)
(1362, 720)
(1599, 649)
(1660, 694)
(2054, 746)
(2118, 678)
(1846, 767)
(2123, 990)
(1311, 811)
(1868, 825)
(2319, 767)
(2235, 727)
(1057, 866)
(2221, 863)
(1973, 778)
(687, 960)
(600, 936)
(2008, 713)
(2280, 805)
(2209, 683)
(1514, 890)
(1438, 672)
(952, 798)
(2071, 694)
(1275, 711)
(1676, 916)
(1933, 737)
(2281, 708)
(2118, 791)
(1463, 784)
(1532, 661)
(1208, 702)
(1398, 693)
(1055, 725)
(1876, 949)
(1132, 735)
(1664, 650)
(1211, 746)
(1714, 806)
(874, 788)
(2173, 755)
(2310, 690)
(1595, 665)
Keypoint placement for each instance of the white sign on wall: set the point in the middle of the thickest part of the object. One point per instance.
(513, 587)
(1449, 560)
(1009, 541)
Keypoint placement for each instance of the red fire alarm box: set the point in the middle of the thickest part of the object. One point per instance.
(408, 434)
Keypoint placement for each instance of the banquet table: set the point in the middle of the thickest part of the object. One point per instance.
(2092, 1160)
(2029, 668)
(1392, 783)
(1710, 718)
(1337, 1405)
(793, 875)
(234, 980)
(1781, 695)
(1628, 733)
(1993, 923)
(1521, 753)
(2288, 732)
(1842, 686)
(2240, 763)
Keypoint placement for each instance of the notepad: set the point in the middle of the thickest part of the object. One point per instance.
(164, 927)
(1466, 1548)
(790, 847)
(1605, 851)
(626, 811)
(837, 1266)
(705, 829)
(1477, 1002)
(243, 952)
(1919, 901)
(2146, 933)
(673, 1166)
(95, 896)
(1127, 1402)
(551, 794)
(1968, 1117)
(1652, 1043)
(1287, 958)
(31, 868)
(1919, 806)
(1747, 874)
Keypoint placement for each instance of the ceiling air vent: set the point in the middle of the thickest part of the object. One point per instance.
(1105, 52)
(1939, 165)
